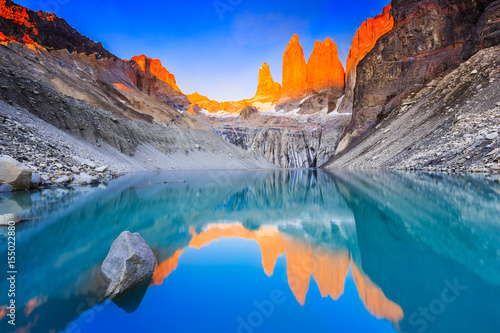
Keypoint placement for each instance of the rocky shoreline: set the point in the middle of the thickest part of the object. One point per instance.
(51, 164)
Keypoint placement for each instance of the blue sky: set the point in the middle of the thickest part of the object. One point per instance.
(214, 47)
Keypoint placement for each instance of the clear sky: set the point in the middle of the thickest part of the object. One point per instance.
(214, 47)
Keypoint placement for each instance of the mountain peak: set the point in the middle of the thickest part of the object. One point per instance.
(267, 90)
(324, 69)
(154, 67)
(22, 25)
(294, 70)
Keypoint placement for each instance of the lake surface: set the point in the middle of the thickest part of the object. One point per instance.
(265, 251)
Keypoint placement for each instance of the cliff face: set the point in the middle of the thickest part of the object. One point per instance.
(427, 41)
(363, 42)
(324, 69)
(20, 24)
(154, 67)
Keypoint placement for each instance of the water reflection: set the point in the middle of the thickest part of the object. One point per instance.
(402, 238)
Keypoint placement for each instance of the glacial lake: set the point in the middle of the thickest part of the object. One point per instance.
(264, 251)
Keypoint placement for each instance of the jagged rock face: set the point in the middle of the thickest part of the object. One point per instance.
(367, 35)
(426, 41)
(487, 32)
(155, 67)
(363, 42)
(155, 80)
(324, 69)
(268, 91)
(452, 124)
(18, 23)
(294, 82)
(284, 141)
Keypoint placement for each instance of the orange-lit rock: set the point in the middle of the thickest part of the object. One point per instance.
(367, 35)
(44, 30)
(155, 67)
(214, 106)
(324, 69)
(18, 14)
(374, 299)
(294, 71)
(268, 91)
(205, 103)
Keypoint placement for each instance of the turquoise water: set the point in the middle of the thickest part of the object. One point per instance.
(264, 251)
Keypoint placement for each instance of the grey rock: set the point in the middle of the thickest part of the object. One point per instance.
(492, 136)
(248, 112)
(14, 173)
(6, 218)
(6, 188)
(129, 262)
(85, 179)
(36, 179)
(63, 180)
(101, 169)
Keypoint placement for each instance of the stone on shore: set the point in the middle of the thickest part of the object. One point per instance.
(129, 262)
(85, 179)
(6, 218)
(14, 173)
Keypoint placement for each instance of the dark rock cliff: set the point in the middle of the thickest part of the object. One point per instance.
(430, 38)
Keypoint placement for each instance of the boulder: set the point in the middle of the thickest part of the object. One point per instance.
(6, 218)
(101, 169)
(14, 173)
(248, 112)
(130, 262)
(85, 179)
(36, 179)
(63, 180)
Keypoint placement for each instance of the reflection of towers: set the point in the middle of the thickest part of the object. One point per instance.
(328, 267)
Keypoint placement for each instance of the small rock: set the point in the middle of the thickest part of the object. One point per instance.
(85, 179)
(6, 218)
(129, 262)
(101, 169)
(74, 169)
(36, 179)
(492, 136)
(387, 131)
(45, 178)
(63, 180)
(58, 165)
(197, 146)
